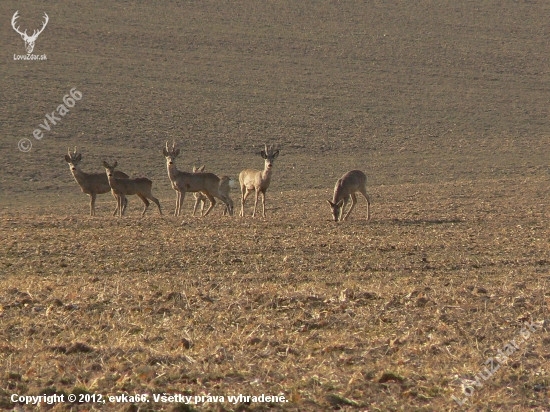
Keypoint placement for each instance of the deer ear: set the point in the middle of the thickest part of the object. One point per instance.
(201, 169)
(114, 164)
(275, 154)
(340, 203)
(78, 157)
(262, 153)
(67, 158)
(105, 165)
(164, 152)
(177, 152)
(330, 203)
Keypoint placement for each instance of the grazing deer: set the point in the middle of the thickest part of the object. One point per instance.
(353, 181)
(140, 186)
(257, 180)
(226, 184)
(92, 184)
(183, 182)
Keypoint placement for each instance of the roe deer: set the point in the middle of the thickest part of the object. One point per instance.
(140, 186)
(353, 181)
(199, 197)
(257, 180)
(183, 182)
(92, 184)
(226, 183)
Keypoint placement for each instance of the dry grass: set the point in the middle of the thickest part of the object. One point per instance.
(380, 315)
(444, 105)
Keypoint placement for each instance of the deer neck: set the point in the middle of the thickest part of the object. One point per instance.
(172, 171)
(339, 194)
(266, 174)
(112, 182)
(79, 176)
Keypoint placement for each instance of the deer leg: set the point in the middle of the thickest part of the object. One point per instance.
(197, 200)
(116, 211)
(92, 204)
(116, 203)
(343, 209)
(122, 207)
(156, 201)
(257, 194)
(229, 208)
(180, 204)
(145, 202)
(212, 203)
(226, 207)
(228, 204)
(203, 204)
(177, 203)
(243, 198)
(363, 191)
(120, 202)
(181, 197)
(353, 202)
(263, 203)
(245, 195)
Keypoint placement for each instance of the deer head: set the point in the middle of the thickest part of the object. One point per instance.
(269, 155)
(73, 159)
(29, 40)
(336, 209)
(110, 169)
(170, 154)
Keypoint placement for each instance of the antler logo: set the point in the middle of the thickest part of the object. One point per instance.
(29, 40)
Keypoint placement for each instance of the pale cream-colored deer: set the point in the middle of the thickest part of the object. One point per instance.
(257, 180)
(183, 182)
(92, 184)
(141, 187)
(226, 184)
(353, 181)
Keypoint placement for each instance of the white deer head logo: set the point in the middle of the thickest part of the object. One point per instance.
(29, 40)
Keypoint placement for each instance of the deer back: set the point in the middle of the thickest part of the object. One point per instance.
(198, 182)
(92, 182)
(140, 185)
(255, 179)
(348, 184)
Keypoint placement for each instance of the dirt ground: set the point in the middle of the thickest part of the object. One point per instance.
(444, 106)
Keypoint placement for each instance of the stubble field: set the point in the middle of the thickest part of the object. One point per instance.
(444, 106)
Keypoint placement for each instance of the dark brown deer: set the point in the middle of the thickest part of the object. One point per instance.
(183, 182)
(141, 187)
(92, 184)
